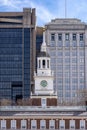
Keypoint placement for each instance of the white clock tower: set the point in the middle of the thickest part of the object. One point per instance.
(44, 78)
(44, 75)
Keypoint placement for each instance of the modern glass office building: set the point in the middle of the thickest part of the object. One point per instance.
(39, 39)
(17, 55)
(67, 45)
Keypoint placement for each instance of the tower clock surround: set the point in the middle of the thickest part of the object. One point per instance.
(44, 83)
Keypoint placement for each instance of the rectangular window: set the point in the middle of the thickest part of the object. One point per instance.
(74, 74)
(67, 53)
(60, 80)
(81, 44)
(59, 74)
(23, 124)
(74, 67)
(42, 124)
(74, 44)
(73, 94)
(74, 60)
(60, 44)
(81, 53)
(67, 60)
(52, 124)
(74, 87)
(60, 87)
(67, 87)
(81, 67)
(59, 37)
(67, 80)
(43, 102)
(60, 94)
(67, 36)
(72, 124)
(81, 60)
(67, 44)
(82, 80)
(81, 74)
(33, 124)
(67, 67)
(74, 37)
(13, 124)
(60, 53)
(52, 37)
(82, 124)
(60, 60)
(81, 37)
(67, 94)
(74, 80)
(3, 124)
(61, 124)
(53, 53)
(74, 53)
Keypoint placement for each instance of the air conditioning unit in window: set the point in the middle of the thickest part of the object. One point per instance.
(3, 128)
(52, 127)
(42, 127)
(72, 127)
(62, 127)
(33, 127)
(82, 127)
(24, 127)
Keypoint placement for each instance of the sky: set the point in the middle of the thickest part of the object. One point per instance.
(46, 10)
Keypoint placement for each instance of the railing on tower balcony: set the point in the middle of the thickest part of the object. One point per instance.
(51, 73)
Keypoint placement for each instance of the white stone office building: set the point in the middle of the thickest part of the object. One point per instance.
(67, 45)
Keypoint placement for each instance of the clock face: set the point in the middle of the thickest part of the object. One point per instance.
(43, 83)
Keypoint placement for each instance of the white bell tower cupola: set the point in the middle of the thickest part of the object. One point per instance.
(44, 76)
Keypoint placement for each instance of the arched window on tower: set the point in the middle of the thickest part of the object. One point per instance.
(47, 63)
(43, 62)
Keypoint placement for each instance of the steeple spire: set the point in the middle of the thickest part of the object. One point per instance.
(43, 46)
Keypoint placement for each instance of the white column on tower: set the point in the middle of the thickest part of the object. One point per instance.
(41, 64)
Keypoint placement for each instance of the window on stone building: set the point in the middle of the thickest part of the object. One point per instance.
(43, 124)
(81, 37)
(53, 37)
(82, 124)
(52, 124)
(67, 94)
(67, 36)
(72, 124)
(13, 124)
(3, 124)
(67, 53)
(74, 37)
(60, 37)
(43, 102)
(23, 124)
(81, 60)
(62, 124)
(33, 124)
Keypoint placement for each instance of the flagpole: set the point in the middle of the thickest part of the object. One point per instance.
(65, 8)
